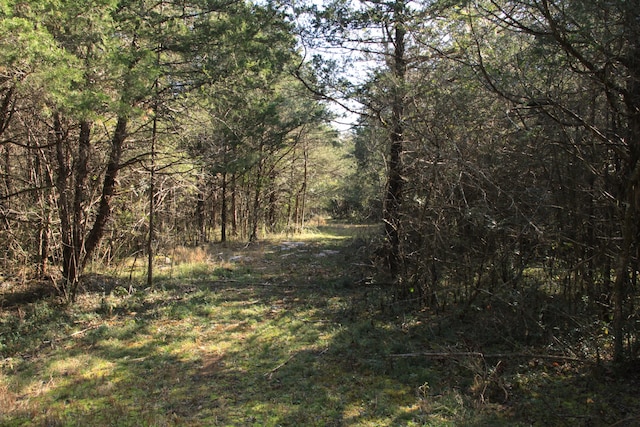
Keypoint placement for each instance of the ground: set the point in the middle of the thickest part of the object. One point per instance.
(291, 331)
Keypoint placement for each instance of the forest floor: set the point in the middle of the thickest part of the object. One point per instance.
(285, 332)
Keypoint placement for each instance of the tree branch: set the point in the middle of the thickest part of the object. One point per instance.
(453, 355)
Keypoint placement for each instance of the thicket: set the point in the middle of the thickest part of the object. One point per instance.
(507, 134)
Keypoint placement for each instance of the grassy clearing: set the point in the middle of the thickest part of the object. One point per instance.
(284, 332)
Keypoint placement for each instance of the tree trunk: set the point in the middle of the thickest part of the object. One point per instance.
(63, 187)
(303, 191)
(46, 202)
(393, 198)
(272, 213)
(223, 209)
(152, 199)
(629, 229)
(108, 188)
(7, 108)
(255, 212)
(71, 211)
(234, 208)
(201, 222)
(81, 173)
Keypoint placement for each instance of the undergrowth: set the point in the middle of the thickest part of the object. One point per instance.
(290, 331)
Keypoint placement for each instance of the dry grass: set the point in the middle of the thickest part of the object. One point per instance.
(186, 255)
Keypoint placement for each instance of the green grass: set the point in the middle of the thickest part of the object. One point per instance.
(279, 337)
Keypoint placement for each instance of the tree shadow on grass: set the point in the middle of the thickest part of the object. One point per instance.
(298, 343)
(321, 362)
(20, 295)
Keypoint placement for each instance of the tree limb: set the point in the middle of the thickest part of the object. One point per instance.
(452, 355)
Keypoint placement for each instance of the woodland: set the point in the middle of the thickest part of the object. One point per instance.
(396, 212)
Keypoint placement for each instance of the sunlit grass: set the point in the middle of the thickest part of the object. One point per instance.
(264, 336)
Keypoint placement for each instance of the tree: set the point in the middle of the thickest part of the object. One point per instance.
(380, 36)
(511, 142)
(252, 134)
(107, 78)
(593, 46)
(35, 71)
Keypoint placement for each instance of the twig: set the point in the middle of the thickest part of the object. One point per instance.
(273, 371)
(66, 337)
(445, 355)
(55, 341)
(81, 331)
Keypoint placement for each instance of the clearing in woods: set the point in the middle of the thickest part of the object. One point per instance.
(285, 332)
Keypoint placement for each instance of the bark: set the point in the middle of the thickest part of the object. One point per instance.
(5, 171)
(223, 209)
(152, 201)
(63, 173)
(7, 108)
(303, 190)
(200, 216)
(234, 209)
(394, 193)
(255, 213)
(108, 188)
(272, 214)
(47, 202)
(81, 173)
(71, 209)
(629, 228)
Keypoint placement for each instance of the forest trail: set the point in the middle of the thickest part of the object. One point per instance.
(323, 256)
(283, 332)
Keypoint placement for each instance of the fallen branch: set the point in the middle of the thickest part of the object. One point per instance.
(82, 331)
(625, 421)
(66, 337)
(273, 371)
(446, 355)
(52, 342)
